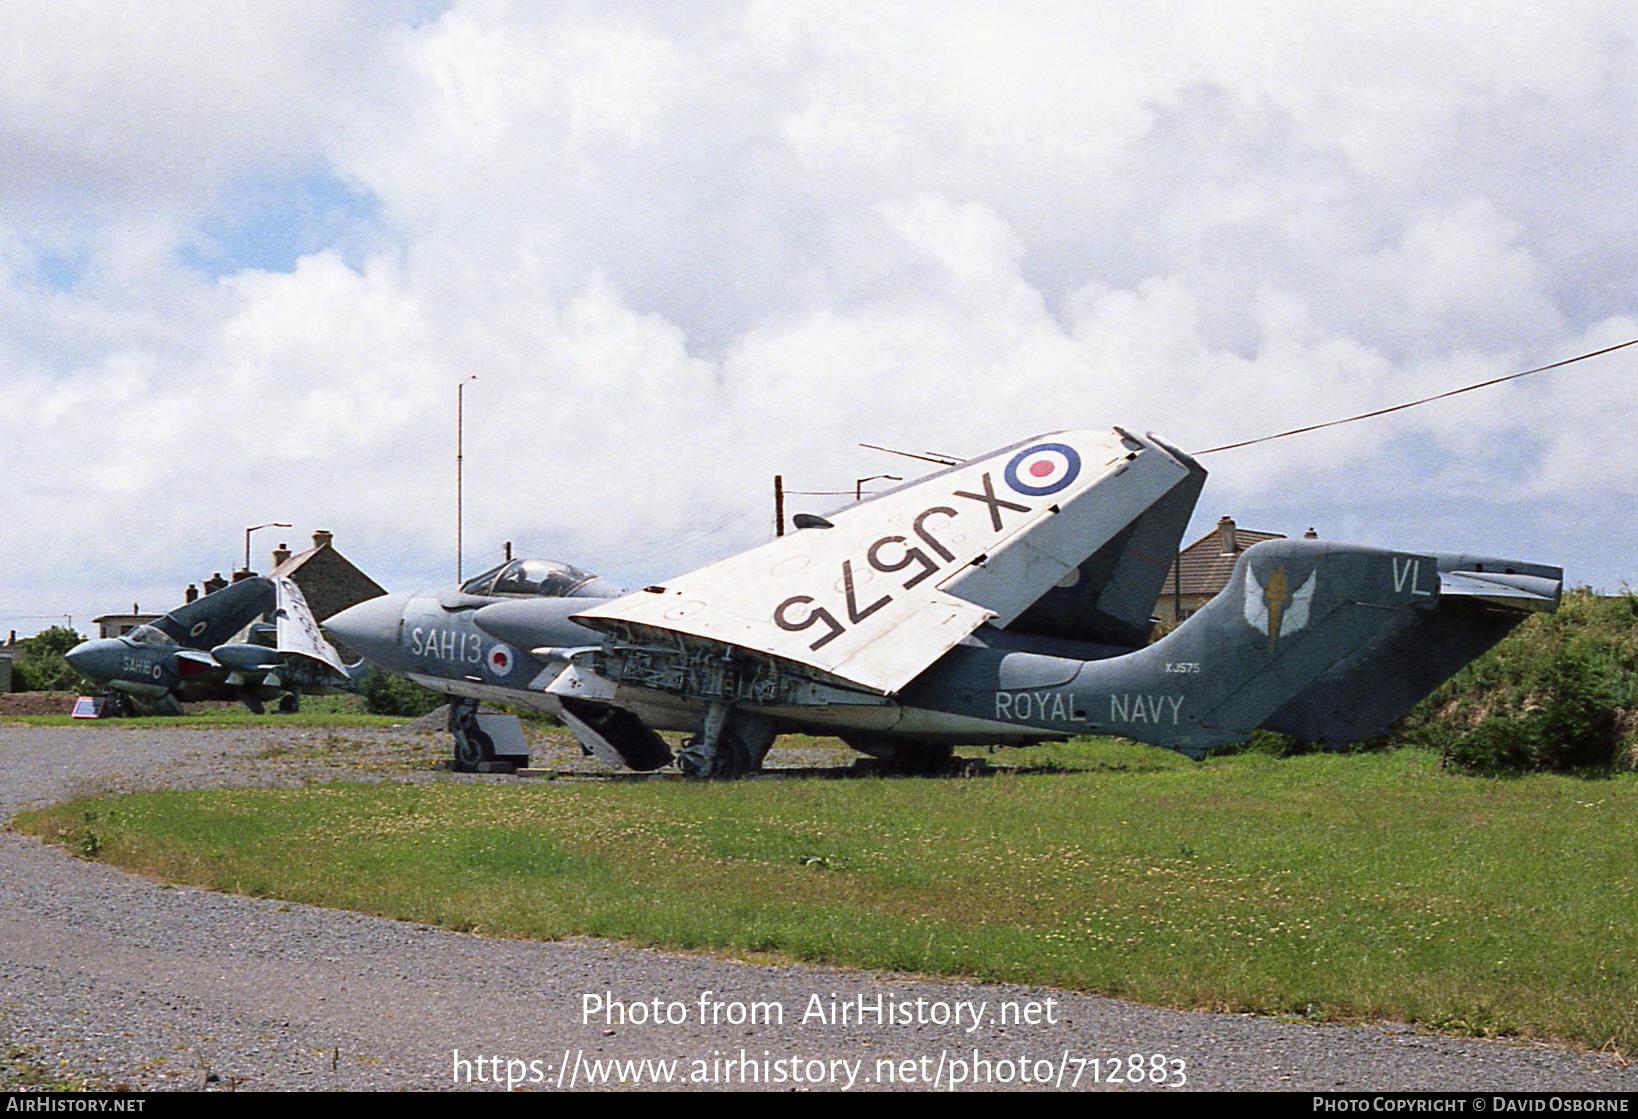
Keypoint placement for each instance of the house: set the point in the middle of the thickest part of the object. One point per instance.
(118, 625)
(328, 580)
(1203, 568)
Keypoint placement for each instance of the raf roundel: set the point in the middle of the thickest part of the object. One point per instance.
(499, 660)
(1043, 469)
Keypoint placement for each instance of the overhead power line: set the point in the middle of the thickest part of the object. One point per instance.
(1424, 400)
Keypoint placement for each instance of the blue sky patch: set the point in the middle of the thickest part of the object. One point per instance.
(269, 224)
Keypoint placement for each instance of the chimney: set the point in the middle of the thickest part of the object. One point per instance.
(280, 554)
(322, 538)
(215, 583)
(1225, 529)
(191, 594)
(1310, 534)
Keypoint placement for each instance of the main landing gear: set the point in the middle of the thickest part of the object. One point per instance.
(473, 747)
(731, 743)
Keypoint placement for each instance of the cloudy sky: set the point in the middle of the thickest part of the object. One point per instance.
(247, 253)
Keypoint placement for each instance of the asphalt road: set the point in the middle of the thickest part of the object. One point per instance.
(133, 982)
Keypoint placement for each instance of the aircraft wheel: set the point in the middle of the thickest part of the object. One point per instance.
(289, 704)
(472, 749)
(728, 762)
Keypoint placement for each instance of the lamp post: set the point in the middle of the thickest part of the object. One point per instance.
(460, 426)
(253, 528)
(858, 485)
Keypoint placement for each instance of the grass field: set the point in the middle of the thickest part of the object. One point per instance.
(1327, 887)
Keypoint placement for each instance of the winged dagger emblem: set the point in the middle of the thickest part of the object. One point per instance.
(1272, 608)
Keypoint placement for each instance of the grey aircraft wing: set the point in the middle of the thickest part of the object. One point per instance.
(1109, 598)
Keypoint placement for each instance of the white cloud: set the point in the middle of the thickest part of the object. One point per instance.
(687, 247)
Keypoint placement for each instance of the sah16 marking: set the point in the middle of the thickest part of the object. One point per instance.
(890, 554)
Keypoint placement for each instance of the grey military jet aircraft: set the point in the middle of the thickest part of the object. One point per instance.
(188, 654)
(1003, 600)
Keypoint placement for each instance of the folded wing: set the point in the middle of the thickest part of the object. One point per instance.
(874, 595)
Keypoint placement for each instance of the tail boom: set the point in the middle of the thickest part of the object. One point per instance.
(1304, 631)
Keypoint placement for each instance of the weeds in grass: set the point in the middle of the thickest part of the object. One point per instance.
(21, 1068)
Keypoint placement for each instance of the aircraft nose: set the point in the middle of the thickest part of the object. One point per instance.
(370, 628)
(90, 659)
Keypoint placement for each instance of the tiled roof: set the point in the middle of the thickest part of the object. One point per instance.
(1204, 568)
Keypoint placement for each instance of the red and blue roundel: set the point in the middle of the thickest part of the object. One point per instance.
(499, 660)
(1043, 469)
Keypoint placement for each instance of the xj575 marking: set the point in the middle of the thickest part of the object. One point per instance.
(1002, 600)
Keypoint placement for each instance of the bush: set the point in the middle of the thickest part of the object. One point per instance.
(40, 667)
(1269, 743)
(1555, 695)
(1500, 744)
(386, 694)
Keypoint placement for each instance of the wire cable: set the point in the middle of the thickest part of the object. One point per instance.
(1424, 400)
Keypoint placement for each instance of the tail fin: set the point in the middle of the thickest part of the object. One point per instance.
(1481, 600)
(1293, 611)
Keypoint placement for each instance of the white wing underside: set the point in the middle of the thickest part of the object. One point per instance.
(899, 580)
(297, 633)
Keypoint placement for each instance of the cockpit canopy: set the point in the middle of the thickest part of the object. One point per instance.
(534, 577)
(149, 635)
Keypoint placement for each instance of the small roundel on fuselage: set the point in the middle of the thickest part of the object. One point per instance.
(499, 660)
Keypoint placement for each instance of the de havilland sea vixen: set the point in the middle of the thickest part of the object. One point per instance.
(192, 653)
(1004, 600)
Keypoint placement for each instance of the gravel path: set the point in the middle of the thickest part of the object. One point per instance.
(130, 981)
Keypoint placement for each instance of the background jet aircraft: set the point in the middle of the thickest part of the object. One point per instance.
(187, 655)
(1003, 600)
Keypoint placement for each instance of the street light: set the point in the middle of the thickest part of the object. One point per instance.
(858, 486)
(460, 425)
(253, 528)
